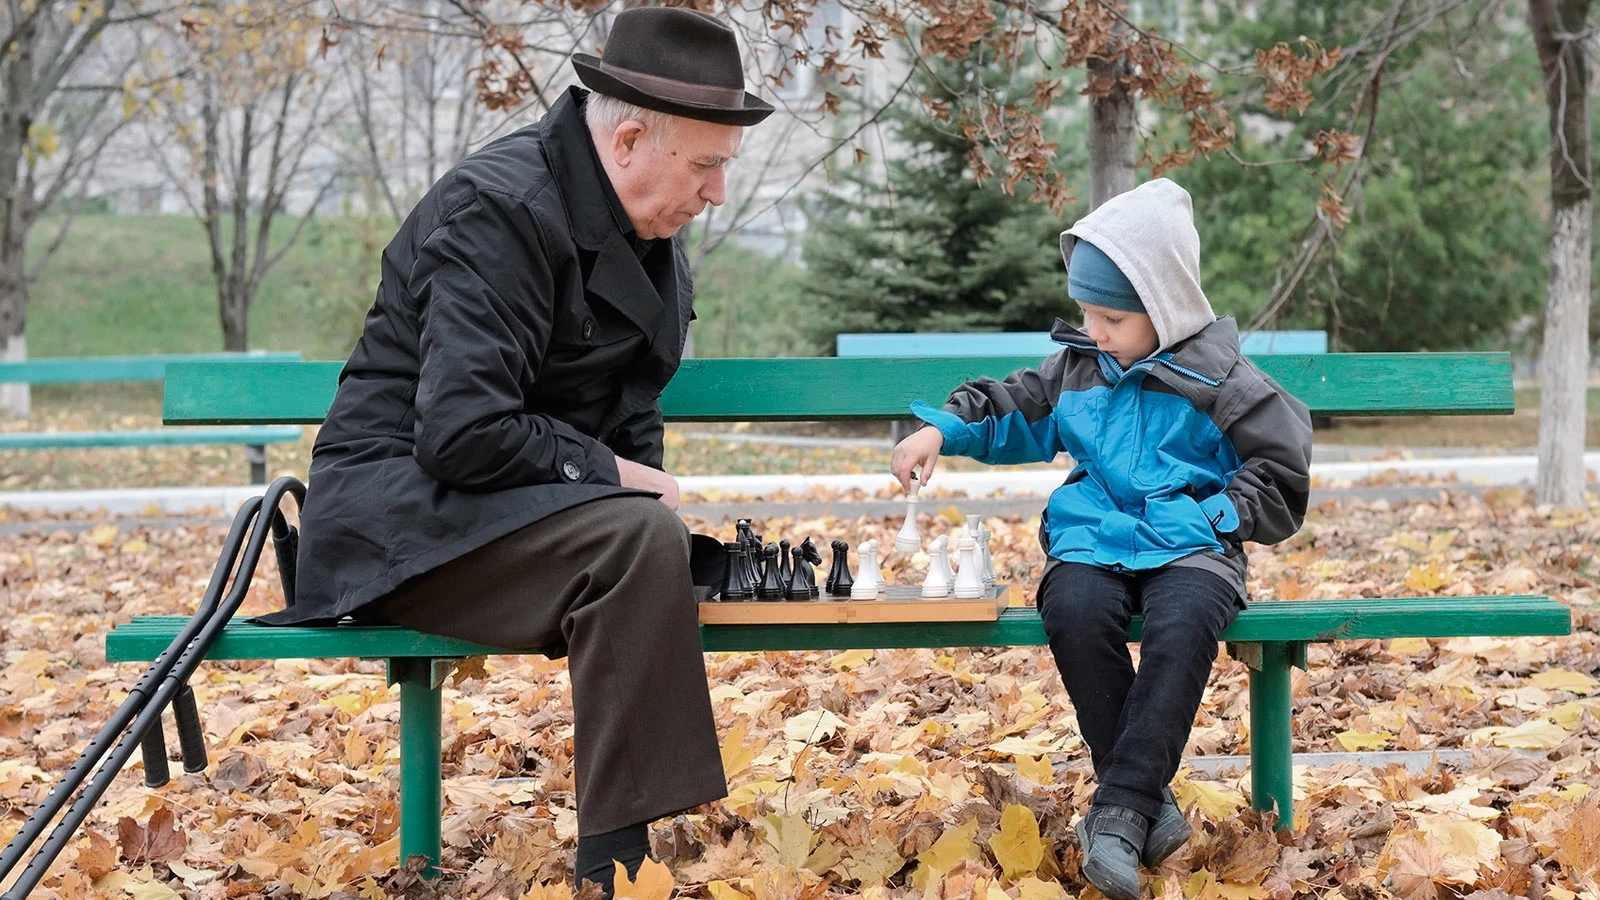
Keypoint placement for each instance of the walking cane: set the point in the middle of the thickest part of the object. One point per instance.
(166, 681)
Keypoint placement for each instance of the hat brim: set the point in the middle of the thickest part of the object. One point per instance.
(603, 82)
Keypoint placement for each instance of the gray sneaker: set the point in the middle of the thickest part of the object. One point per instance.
(1167, 833)
(1109, 835)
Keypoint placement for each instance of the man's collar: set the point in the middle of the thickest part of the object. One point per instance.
(575, 161)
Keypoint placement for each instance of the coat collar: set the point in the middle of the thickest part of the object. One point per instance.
(646, 291)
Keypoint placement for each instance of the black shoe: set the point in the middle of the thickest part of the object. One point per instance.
(1167, 833)
(1110, 837)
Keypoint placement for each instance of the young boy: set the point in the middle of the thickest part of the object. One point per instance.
(1184, 451)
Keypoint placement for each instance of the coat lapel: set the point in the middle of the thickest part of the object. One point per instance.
(619, 279)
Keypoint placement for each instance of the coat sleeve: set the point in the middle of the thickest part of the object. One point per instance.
(1002, 422)
(486, 299)
(1265, 500)
(639, 437)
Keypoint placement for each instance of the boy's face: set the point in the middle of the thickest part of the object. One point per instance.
(1127, 336)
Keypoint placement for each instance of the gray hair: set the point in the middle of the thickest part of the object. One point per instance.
(605, 115)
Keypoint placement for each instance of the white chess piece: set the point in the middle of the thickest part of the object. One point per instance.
(981, 535)
(864, 587)
(969, 581)
(909, 540)
(878, 579)
(943, 542)
(937, 584)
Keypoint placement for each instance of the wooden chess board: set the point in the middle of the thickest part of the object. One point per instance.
(898, 603)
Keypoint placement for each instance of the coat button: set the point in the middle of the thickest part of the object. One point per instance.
(570, 470)
(588, 329)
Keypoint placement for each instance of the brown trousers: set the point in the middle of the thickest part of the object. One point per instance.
(607, 584)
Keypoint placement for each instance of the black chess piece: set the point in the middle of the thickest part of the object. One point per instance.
(833, 569)
(770, 587)
(842, 580)
(785, 571)
(737, 584)
(803, 579)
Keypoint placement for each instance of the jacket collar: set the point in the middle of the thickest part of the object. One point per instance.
(597, 221)
(1194, 367)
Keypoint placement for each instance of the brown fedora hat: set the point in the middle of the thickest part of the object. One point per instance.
(676, 61)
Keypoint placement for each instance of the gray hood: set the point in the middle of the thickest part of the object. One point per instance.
(1149, 233)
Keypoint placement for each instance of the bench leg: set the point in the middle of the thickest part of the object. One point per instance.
(1271, 707)
(256, 456)
(420, 750)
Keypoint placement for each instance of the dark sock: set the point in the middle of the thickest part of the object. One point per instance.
(597, 854)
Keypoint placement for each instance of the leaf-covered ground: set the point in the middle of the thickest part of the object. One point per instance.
(878, 774)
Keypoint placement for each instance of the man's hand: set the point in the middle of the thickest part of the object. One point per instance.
(634, 475)
(916, 454)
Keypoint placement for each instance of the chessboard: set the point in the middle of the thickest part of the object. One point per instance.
(897, 603)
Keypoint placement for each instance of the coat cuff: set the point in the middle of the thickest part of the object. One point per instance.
(1221, 513)
(949, 424)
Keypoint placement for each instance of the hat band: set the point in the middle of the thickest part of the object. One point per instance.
(678, 91)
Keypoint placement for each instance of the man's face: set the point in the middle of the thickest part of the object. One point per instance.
(664, 187)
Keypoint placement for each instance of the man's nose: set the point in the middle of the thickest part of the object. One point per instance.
(715, 190)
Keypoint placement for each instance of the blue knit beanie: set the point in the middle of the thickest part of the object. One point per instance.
(1093, 278)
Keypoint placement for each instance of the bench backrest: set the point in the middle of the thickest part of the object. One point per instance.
(1038, 343)
(74, 369)
(816, 388)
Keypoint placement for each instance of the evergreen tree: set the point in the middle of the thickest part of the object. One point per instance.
(915, 244)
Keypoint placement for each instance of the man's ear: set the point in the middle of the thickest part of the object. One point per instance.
(625, 140)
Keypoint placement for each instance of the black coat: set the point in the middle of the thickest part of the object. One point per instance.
(518, 345)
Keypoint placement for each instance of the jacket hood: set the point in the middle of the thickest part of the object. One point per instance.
(1149, 233)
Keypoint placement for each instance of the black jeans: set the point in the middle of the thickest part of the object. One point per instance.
(1135, 724)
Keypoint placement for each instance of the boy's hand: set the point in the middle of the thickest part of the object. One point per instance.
(916, 454)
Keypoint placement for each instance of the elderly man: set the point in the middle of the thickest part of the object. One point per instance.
(491, 466)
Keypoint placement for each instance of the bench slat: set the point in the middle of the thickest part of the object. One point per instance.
(1300, 620)
(224, 393)
(46, 440)
(73, 369)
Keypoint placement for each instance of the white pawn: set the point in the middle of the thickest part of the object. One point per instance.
(878, 579)
(969, 582)
(981, 534)
(943, 559)
(909, 540)
(869, 583)
(937, 585)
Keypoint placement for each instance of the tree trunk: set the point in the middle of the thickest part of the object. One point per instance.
(1564, 361)
(1112, 148)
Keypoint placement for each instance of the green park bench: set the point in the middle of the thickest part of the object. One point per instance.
(1270, 636)
(91, 369)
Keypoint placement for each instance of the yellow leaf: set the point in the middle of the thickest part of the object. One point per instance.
(1565, 680)
(955, 845)
(850, 659)
(721, 890)
(812, 726)
(1355, 741)
(1034, 889)
(870, 865)
(135, 546)
(791, 836)
(1425, 579)
(1016, 846)
(1037, 769)
(1216, 801)
(653, 883)
(1015, 746)
(738, 751)
(102, 535)
(1408, 646)
(1462, 839)
(150, 890)
(1534, 734)
(1441, 541)
(951, 514)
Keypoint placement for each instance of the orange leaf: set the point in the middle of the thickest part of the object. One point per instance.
(654, 882)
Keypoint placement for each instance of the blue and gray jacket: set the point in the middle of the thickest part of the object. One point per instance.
(1179, 459)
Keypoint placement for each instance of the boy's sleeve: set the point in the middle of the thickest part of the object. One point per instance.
(1002, 422)
(1266, 500)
